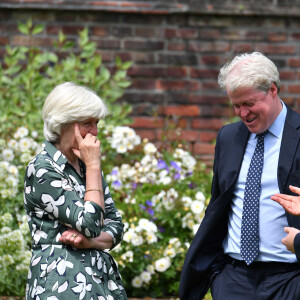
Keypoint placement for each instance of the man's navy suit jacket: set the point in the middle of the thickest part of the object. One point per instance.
(205, 255)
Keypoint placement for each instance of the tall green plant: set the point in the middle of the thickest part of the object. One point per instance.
(28, 74)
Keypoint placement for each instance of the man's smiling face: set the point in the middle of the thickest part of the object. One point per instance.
(257, 109)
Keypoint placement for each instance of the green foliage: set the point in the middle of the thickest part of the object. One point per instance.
(14, 255)
(28, 74)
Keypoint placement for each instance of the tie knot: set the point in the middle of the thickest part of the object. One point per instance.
(262, 135)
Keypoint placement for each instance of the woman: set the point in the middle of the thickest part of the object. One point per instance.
(71, 215)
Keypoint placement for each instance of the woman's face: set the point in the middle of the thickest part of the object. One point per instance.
(67, 137)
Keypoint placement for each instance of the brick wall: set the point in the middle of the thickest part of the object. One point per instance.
(177, 50)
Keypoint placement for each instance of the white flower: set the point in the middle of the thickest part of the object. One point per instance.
(13, 170)
(136, 240)
(197, 207)
(8, 154)
(128, 235)
(150, 148)
(170, 252)
(151, 237)
(13, 144)
(186, 200)
(21, 132)
(150, 269)
(145, 276)
(25, 144)
(162, 264)
(137, 282)
(200, 196)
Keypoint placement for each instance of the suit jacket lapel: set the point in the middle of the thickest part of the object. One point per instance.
(289, 144)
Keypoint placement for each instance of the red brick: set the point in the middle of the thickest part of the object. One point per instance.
(210, 60)
(178, 59)
(294, 88)
(276, 49)
(143, 45)
(216, 111)
(4, 40)
(71, 29)
(143, 84)
(179, 123)
(182, 110)
(107, 44)
(145, 122)
(176, 71)
(142, 97)
(204, 73)
(146, 71)
(207, 136)
(211, 85)
(294, 62)
(178, 134)
(208, 123)
(208, 46)
(100, 31)
(144, 57)
(211, 100)
(176, 46)
(177, 85)
(145, 32)
(242, 47)
(146, 134)
(287, 75)
(277, 37)
(121, 31)
(211, 34)
(203, 148)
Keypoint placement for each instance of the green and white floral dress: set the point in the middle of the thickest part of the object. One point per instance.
(54, 201)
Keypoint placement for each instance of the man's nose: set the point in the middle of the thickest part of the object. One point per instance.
(244, 112)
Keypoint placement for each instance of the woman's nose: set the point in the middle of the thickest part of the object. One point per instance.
(94, 130)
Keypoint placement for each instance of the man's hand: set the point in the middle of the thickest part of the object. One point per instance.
(288, 241)
(290, 203)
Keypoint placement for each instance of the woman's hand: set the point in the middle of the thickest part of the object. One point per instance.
(288, 241)
(77, 240)
(290, 203)
(88, 148)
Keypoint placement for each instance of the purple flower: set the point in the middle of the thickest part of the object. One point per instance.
(134, 185)
(176, 176)
(175, 166)
(143, 207)
(149, 203)
(151, 211)
(117, 183)
(114, 172)
(161, 164)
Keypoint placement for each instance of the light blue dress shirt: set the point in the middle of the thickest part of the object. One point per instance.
(272, 218)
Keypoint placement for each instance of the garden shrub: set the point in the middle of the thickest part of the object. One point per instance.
(161, 193)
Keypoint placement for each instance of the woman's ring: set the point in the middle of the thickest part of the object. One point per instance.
(74, 235)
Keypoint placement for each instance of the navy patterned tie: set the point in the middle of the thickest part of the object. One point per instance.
(249, 232)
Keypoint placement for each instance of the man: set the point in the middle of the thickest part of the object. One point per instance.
(237, 251)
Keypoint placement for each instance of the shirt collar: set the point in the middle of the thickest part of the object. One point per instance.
(55, 154)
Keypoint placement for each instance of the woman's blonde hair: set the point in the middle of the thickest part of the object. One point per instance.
(68, 103)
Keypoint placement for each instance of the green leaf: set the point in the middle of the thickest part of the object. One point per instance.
(38, 29)
(23, 28)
